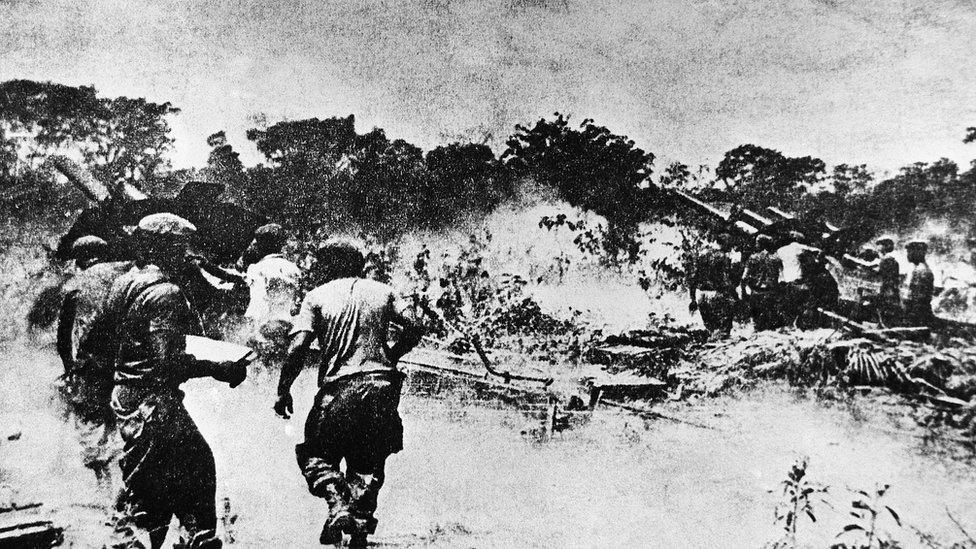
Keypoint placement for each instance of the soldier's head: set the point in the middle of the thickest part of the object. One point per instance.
(162, 239)
(916, 251)
(269, 239)
(724, 241)
(885, 244)
(339, 258)
(765, 243)
(88, 250)
(809, 261)
(868, 253)
(797, 236)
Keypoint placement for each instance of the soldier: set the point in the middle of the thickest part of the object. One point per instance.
(790, 256)
(817, 289)
(354, 415)
(921, 286)
(167, 466)
(273, 283)
(711, 289)
(761, 278)
(86, 385)
(889, 296)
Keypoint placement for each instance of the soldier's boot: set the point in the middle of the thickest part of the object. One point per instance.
(204, 539)
(340, 518)
(359, 540)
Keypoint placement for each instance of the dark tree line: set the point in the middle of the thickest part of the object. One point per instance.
(324, 173)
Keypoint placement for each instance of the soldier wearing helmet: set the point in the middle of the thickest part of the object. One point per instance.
(86, 385)
(167, 466)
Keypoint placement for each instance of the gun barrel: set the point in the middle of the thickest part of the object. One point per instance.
(81, 178)
(781, 213)
(764, 221)
(859, 262)
(94, 189)
(704, 205)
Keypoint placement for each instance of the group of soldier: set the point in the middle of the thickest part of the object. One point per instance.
(122, 336)
(786, 283)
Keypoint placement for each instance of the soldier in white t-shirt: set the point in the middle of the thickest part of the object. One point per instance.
(273, 283)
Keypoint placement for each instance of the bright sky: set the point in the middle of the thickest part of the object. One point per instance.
(883, 82)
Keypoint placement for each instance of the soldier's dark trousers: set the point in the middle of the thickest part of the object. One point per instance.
(764, 307)
(717, 310)
(919, 313)
(353, 419)
(167, 468)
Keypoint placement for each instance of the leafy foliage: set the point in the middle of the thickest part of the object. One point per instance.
(864, 530)
(323, 173)
(462, 298)
(759, 177)
(798, 495)
(591, 167)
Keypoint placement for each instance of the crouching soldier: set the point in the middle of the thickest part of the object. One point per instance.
(354, 416)
(167, 466)
(711, 289)
(86, 386)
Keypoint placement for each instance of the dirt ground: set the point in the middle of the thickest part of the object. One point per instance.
(469, 477)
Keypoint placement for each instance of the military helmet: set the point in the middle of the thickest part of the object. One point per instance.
(917, 246)
(88, 247)
(165, 225)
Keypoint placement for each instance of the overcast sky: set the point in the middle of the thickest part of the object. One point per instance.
(882, 82)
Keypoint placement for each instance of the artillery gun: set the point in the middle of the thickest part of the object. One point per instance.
(744, 224)
(857, 282)
(223, 229)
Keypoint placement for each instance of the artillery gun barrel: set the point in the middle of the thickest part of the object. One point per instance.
(724, 216)
(704, 205)
(764, 221)
(859, 262)
(785, 215)
(94, 189)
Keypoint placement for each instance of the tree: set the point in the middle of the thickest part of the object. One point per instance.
(758, 177)
(922, 190)
(591, 167)
(130, 139)
(120, 138)
(464, 177)
(305, 141)
(38, 117)
(309, 165)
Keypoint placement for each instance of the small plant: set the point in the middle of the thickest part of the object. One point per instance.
(798, 495)
(864, 531)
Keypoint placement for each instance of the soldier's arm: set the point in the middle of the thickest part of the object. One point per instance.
(746, 275)
(168, 314)
(411, 331)
(66, 323)
(301, 339)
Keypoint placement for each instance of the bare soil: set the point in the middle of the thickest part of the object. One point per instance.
(471, 476)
